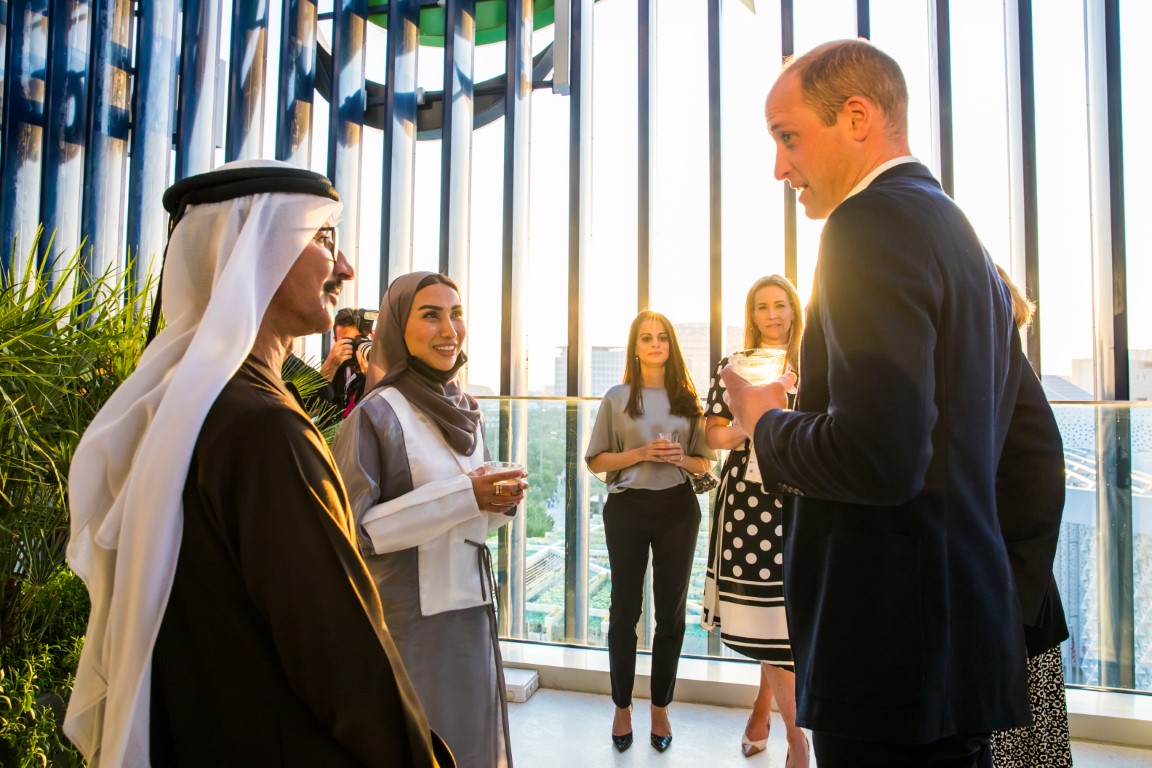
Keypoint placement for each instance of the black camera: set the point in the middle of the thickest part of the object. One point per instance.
(365, 322)
(358, 343)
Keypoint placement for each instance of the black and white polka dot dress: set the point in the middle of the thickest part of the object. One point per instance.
(744, 586)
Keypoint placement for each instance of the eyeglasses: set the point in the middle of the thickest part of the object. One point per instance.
(326, 236)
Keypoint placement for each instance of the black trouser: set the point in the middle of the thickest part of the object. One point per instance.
(965, 750)
(666, 521)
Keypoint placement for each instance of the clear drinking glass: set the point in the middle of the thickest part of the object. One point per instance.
(504, 487)
(670, 437)
(759, 366)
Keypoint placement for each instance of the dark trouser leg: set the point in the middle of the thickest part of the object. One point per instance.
(673, 545)
(627, 543)
(959, 751)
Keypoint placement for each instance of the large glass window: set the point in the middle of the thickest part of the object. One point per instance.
(680, 231)
(980, 123)
(486, 272)
(609, 292)
(1066, 297)
(545, 300)
(753, 201)
(817, 24)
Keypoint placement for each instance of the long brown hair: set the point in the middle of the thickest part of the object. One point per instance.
(677, 383)
(752, 333)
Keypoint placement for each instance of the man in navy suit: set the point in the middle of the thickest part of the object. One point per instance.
(904, 621)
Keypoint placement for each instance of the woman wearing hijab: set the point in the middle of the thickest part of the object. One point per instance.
(412, 458)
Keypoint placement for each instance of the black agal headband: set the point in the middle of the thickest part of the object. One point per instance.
(228, 184)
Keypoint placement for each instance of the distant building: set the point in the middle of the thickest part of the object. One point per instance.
(607, 369)
(1139, 374)
(697, 354)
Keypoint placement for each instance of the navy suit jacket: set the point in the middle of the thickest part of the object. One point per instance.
(903, 616)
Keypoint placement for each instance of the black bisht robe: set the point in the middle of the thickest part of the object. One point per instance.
(273, 648)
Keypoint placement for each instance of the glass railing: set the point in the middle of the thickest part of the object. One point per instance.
(553, 565)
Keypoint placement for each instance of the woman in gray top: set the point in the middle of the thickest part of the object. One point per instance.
(649, 435)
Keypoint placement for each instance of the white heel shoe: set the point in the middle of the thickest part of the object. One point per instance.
(749, 747)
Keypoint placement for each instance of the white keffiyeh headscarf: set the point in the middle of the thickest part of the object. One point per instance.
(224, 263)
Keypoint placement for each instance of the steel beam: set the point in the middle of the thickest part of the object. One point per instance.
(196, 121)
(153, 102)
(456, 140)
(788, 48)
(247, 63)
(346, 120)
(399, 185)
(1113, 428)
(297, 79)
(1023, 211)
(21, 144)
(107, 151)
(645, 146)
(65, 123)
(941, 86)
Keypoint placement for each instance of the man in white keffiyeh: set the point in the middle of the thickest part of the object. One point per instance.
(233, 621)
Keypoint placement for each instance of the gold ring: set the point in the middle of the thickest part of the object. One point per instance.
(500, 490)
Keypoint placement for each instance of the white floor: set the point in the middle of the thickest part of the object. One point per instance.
(561, 729)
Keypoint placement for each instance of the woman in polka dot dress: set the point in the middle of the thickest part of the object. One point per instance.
(744, 588)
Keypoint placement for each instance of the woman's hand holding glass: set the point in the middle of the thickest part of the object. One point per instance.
(659, 449)
(499, 486)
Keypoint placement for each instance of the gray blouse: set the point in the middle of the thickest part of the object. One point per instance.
(615, 432)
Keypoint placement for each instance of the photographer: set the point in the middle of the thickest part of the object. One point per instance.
(348, 359)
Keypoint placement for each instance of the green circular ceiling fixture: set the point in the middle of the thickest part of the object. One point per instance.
(491, 18)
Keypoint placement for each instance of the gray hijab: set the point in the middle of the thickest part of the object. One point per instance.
(434, 393)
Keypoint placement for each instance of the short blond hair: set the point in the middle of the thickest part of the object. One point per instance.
(833, 72)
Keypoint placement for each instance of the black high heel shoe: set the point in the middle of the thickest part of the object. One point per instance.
(623, 742)
(661, 743)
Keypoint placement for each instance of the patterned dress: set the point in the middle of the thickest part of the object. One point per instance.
(744, 587)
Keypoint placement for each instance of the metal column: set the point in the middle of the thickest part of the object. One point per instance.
(456, 140)
(715, 168)
(23, 131)
(863, 19)
(645, 149)
(346, 120)
(247, 63)
(152, 125)
(1021, 87)
(577, 417)
(196, 123)
(297, 82)
(513, 351)
(65, 125)
(399, 141)
(107, 151)
(787, 48)
(941, 87)
(1113, 428)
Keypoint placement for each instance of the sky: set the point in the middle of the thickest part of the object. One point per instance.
(752, 226)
